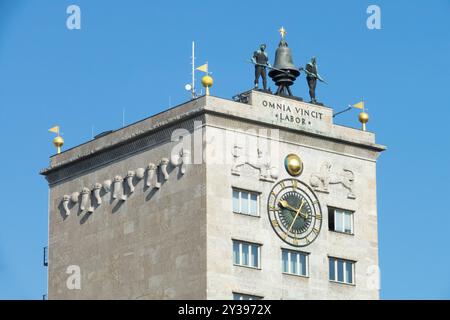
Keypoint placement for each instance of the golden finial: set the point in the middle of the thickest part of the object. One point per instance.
(283, 32)
(363, 118)
(207, 81)
(58, 142)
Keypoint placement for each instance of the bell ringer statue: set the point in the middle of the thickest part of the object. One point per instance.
(261, 61)
(284, 72)
(312, 75)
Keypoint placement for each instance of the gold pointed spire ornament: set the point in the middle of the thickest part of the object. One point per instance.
(282, 32)
(58, 141)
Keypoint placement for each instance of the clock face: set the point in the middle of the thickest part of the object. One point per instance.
(294, 212)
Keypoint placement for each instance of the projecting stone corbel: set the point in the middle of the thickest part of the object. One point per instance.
(181, 160)
(96, 190)
(151, 168)
(140, 173)
(118, 189)
(163, 166)
(65, 203)
(107, 185)
(67, 199)
(85, 198)
(162, 169)
(74, 197)
(129, 179)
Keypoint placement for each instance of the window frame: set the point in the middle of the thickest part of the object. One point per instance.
(250, 254)
(332, 227)
(335, 264)
(242, 295)
(299, 253)
(250, 193)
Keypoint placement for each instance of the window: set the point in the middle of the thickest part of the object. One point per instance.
(342, 270)
(241, 296)
(245, 202)
(340, 220)
(246, 254)
(294, 262)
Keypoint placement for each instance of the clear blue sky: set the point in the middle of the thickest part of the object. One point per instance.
(135, 55)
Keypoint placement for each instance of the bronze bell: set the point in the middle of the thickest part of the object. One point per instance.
(283, 71)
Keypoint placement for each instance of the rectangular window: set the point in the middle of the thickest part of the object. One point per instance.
(246, 254)
(340, 220)
(245, 202)
(236, 255)
(294, 262)
(341, 270)
(241, 296)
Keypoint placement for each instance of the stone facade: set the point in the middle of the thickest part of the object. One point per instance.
(160, 225)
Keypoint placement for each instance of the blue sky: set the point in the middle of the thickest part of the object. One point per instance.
(135, 55)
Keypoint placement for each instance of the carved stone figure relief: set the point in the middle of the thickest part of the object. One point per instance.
(151, 168)
(267, 172)
(163, 166)
(86, 200)
(155, 173)
(118, 189)
(74, 197)
(140, 173)
(181, 159)
(96, 191)
(321, 180)
(129, 179)
(107, 186)
(65, 203)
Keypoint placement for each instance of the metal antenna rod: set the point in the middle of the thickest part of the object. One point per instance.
(193, 70)
(345, 110)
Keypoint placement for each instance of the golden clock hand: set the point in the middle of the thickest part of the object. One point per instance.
(296, 215)
(286, 205)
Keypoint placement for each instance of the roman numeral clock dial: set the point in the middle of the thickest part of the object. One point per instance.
(294, 212)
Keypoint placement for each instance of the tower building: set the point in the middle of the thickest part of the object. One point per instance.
(261, 197)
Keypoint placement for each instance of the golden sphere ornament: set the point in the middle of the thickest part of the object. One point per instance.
(58, 142)
(207, 82)
(293, 165)
(363, 117)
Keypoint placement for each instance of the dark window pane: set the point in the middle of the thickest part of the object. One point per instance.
(303, 264)
(236, 252)
(331, 219)
(245, 253)
(255, 256)
(348, 272)
(244, 202)
(340, 270)
(253, 204)
(294, 266)
(285, 261)
(331, 267)
(236, 201)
